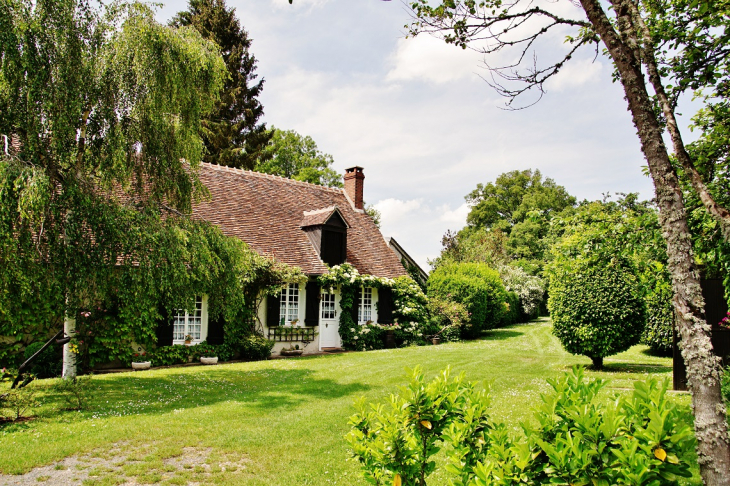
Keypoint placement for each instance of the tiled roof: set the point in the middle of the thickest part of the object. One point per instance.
(268, 213)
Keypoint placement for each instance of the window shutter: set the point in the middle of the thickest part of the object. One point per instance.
(356, 305)
(216, 330)
(164, 328)
(311, 311)
(272, 310)
(385, 306)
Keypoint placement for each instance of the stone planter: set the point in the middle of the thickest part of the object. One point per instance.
(209, 361)
(292, 352)
(436, 340)
(142, 365)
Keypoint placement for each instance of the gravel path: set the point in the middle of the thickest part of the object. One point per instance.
(125, 465)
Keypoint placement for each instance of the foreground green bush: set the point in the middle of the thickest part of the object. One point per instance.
(477, 287)
(637, 439)
(596, 305)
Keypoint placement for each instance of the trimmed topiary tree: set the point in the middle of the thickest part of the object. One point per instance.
(477, 287)
(596, 305)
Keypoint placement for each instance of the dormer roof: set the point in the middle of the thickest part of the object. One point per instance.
(324, 216)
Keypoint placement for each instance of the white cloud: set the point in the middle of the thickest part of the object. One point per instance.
(456, 218)
(427, 58)
(394, 211)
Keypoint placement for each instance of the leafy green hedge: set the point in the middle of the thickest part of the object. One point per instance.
(659, 319)
(512, 314)
(250, 348)
(596, 305)
(477, 287)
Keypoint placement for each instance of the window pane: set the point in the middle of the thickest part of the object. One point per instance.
(289, 303)
(328, 305)
(366, 307)
(178, 326)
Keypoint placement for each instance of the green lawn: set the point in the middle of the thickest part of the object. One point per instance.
(282, 421)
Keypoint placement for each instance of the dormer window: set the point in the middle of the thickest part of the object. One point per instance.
(327, 230)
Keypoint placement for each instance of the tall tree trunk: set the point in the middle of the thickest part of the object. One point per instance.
(69, 358)
(703, 367)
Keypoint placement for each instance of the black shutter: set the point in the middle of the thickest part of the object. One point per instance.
(311, 311)
(355, 305)
(385, 306)
(164, 330)
(272, 310)
(216, 330)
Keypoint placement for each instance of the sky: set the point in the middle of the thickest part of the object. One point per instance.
(420, 119)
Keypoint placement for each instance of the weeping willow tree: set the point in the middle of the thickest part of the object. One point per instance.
(102, 108)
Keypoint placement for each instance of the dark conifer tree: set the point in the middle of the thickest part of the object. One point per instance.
(233, 135)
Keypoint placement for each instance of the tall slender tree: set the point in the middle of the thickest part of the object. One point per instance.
(233, 133)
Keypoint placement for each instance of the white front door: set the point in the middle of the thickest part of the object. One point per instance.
(329, 322)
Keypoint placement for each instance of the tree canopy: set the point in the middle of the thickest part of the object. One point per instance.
(297, 157)
(233, 133)
(512, 196)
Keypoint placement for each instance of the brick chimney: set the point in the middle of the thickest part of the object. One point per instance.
(353, 185)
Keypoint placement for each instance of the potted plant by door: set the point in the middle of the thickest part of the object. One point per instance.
(139, 362)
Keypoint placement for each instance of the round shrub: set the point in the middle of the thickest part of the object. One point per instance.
(48, 364)
(477, 287)
(659, 319)
(596, 306)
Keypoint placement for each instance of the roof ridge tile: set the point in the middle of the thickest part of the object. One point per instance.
(264, 175)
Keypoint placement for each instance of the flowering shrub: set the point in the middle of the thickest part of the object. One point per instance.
(410, 304)
(529, 289)
(725, 322)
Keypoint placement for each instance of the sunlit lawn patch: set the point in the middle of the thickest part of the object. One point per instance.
(280, 421)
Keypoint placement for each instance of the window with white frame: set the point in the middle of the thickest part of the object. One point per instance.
(327, 300)
(365, 306)
(289, 304)
(188, 325)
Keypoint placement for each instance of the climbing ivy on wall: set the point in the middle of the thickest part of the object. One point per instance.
(409, 307)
